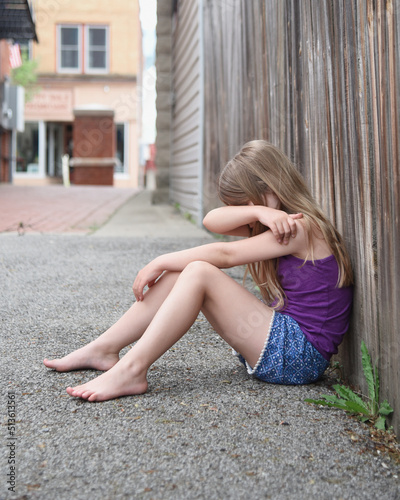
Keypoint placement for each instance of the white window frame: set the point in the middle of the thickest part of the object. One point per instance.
(88, 69)
(60, 69)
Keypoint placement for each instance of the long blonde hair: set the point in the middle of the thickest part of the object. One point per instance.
(260, 167)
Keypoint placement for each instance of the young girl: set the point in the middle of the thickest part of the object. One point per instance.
(295, 256)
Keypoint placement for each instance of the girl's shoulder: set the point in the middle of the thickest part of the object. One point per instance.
(315, 246)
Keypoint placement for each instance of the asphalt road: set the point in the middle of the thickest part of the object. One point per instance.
(204, 430)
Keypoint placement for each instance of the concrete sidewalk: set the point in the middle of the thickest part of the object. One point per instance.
(138, 217)
(204, 430)
(98, 210)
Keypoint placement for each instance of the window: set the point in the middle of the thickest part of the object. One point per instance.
(28, 149)
(73, 49)
(96, 42)
(69, 49)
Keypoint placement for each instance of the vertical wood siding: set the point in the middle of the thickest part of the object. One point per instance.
(320, 79)
(185, 170)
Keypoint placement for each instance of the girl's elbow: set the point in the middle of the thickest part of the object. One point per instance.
(207, 222)
(206, 225)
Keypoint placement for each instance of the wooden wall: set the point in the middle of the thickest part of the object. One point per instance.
(321, 79)
(186, 131)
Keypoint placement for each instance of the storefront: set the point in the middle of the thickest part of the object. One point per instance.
(49, 132)
(16, 24)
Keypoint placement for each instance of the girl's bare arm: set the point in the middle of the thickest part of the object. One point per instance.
(220, 254)
(236, 221)
(213, 253)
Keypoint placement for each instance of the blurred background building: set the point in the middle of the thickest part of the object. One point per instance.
(148, 20)
(16, 25)
(86, 102)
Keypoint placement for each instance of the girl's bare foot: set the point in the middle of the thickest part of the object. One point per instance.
(90, 356)
(120, 380)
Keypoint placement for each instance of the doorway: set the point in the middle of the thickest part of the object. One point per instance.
(55, 148)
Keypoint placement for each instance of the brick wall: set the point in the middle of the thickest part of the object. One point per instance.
(5, 142)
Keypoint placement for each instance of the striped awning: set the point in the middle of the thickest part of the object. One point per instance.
(16, 20)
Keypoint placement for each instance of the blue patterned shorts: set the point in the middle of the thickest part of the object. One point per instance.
(288, 357)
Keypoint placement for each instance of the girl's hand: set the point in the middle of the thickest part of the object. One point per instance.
(282, 225)
(146, 276)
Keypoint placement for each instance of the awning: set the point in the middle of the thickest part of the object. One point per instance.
(16, 20)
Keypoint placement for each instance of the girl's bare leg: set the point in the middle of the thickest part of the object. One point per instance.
(239, 318)
(103, 353)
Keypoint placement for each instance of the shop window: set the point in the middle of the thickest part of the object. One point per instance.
(28, 149)
(69, 48)
(96, 43)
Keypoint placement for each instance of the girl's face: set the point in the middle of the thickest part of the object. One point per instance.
(271, 200)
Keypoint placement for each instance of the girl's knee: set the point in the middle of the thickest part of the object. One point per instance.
(200, 268)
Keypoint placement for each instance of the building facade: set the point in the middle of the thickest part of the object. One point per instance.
(89, 62)
(16, 24)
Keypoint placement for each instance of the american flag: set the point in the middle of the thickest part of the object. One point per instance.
(15, 56)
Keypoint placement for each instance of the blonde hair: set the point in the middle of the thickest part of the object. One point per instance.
(259, 168)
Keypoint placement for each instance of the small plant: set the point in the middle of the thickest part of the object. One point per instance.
(189, 217)
(348, 400)
(26, 76)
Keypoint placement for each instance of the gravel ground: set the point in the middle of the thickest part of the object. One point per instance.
(205, 429)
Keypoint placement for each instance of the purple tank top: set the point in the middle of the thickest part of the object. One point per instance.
(312, 299)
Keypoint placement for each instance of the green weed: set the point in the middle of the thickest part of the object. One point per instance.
(366, 409)
(189, 217)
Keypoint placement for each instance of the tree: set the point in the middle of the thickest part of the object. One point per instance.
(26, 76)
